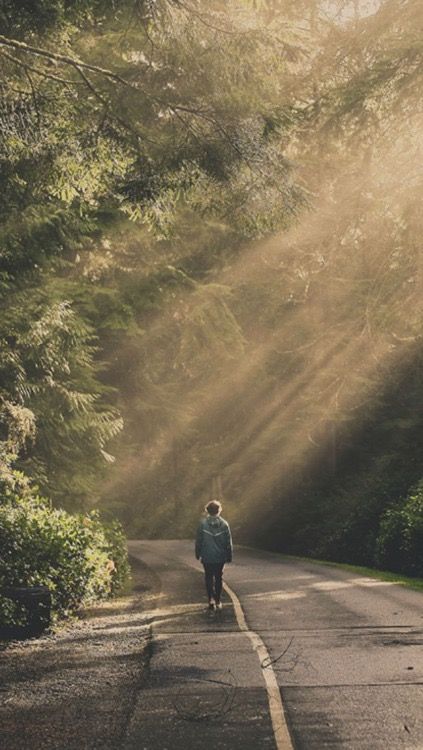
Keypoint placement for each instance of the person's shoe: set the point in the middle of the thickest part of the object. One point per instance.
(219, 606)
(211, 605)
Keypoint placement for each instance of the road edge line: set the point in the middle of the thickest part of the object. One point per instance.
(276, 710)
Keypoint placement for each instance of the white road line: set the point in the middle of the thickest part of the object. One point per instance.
(277, 714)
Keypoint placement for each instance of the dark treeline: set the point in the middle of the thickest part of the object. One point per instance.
(210, 271)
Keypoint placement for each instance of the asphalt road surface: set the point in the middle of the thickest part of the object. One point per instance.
(345, 650)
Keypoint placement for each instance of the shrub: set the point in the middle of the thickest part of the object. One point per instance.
(76, 556)
(399, 544)
(117, 553)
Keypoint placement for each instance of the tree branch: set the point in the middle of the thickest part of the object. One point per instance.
(80, 67)
(107, 112)
(34, 95)
(65, 59)
(38, 71)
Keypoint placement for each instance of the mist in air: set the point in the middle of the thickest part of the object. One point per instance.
(275, 377)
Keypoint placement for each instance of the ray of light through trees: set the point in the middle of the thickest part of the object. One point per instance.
(211, 274)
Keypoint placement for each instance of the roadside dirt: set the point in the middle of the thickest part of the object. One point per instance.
(76, 688)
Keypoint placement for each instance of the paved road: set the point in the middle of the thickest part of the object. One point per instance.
(346, 651)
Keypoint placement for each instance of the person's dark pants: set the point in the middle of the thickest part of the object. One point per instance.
(213, 573)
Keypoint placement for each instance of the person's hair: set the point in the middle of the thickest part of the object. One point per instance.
(213, 507)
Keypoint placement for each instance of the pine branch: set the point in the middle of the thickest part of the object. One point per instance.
(65, 59)
(107, 111)
(78, 66)
(81, 66)
(38, 71)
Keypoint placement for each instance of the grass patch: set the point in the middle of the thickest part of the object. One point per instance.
(381, 575)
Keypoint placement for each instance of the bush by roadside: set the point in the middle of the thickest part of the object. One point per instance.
(400, 540)
(78, 557)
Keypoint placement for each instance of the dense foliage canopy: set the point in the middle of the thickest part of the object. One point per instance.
(210, 275)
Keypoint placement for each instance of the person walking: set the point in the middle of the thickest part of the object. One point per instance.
(213, 546)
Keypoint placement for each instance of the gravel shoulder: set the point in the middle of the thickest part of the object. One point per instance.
(76, 688)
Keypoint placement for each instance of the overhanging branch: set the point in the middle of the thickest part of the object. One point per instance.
(65, 59)
(38, 71)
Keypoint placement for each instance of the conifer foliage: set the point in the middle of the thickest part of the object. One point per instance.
(209, 268)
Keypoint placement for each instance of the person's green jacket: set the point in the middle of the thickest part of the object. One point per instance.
(214, 542)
